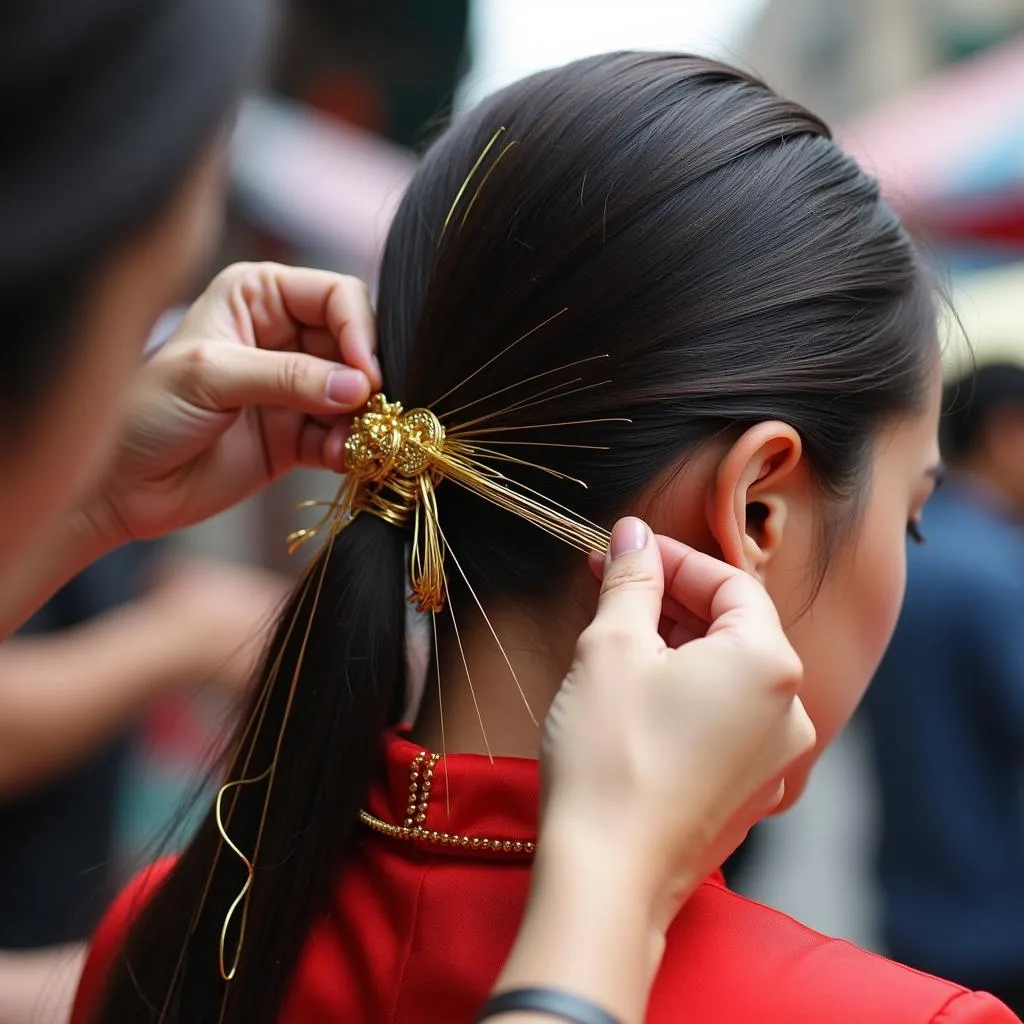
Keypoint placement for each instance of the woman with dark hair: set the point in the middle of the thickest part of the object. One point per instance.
(110, 191)
(649, 273)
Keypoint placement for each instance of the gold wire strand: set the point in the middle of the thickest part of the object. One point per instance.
(520, 383)
(548, 394)
(564, 391)
(474, 454)
(508, 348)
(539, 426)
(228, 973)
(270, 772)
(483, 181)
(465, 184)
(256, 720)
(552, 444)
(465, 665)
(487, 619)
(440, 715)
(341, 503)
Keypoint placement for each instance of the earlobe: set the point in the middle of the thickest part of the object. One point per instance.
(749, 499)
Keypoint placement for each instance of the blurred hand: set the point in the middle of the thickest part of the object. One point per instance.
(672, 732)
(261, 376)
(221, 614)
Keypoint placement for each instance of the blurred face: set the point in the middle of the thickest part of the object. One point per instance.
(1002, 454)
(58, 460)
(842, 636)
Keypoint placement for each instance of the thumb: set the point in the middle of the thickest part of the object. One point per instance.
(221, 377)
(634, 580)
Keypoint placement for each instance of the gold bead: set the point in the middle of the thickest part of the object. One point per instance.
(485, 844)
(421, 817)
(476, 844)
(518, 847)
(464, 841)
(408, 822)
(423, 805)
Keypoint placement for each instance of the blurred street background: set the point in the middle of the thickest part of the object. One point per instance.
(929, 94)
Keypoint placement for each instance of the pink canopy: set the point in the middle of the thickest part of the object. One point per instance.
(950, 153)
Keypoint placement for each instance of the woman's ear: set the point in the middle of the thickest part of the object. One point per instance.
(751, 494)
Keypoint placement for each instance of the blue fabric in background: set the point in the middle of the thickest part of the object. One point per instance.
(946, 711)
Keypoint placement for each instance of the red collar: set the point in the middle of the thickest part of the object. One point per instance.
(459, 805)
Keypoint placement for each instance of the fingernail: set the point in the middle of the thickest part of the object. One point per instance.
(630, 535)
(346, 386)
(375, 363)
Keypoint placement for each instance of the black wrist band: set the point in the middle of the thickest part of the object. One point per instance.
(551, 1001)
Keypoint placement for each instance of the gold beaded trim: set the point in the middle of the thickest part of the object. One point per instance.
(421, 778)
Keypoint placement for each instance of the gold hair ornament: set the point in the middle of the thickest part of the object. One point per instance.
(395, 461)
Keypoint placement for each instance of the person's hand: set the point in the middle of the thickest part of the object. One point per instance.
(677, 721)
(261, 376)
(221, 615)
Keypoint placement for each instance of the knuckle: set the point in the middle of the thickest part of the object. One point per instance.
(294, 376)
(234, 272)
(600, 640)
(589, 643)
(629, 577)
(785, 668)
(194, 370)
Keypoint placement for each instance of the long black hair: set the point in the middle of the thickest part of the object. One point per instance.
(734, 265)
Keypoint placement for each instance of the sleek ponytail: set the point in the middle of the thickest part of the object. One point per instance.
(351, 689)
(719, 261)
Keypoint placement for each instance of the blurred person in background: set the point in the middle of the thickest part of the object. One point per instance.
(946, 710)
(111, 185)
(389, 67)
(73, 683)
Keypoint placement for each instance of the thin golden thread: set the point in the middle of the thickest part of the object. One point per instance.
(501, 646)
(465, 184)
(589, 524)
(228, 973)
(499, 490)
(539, 398)
(552, 444)
(259, 714)
(520, 383)
(465, 665)
(550, 393)
(440, 715)
(426, 563)
(269, 774)
(508, 348)
(565, 392)
(342, 501)
(483, 181)
(256, 718)
(585, 538)
(481, 452)
(539, 426)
